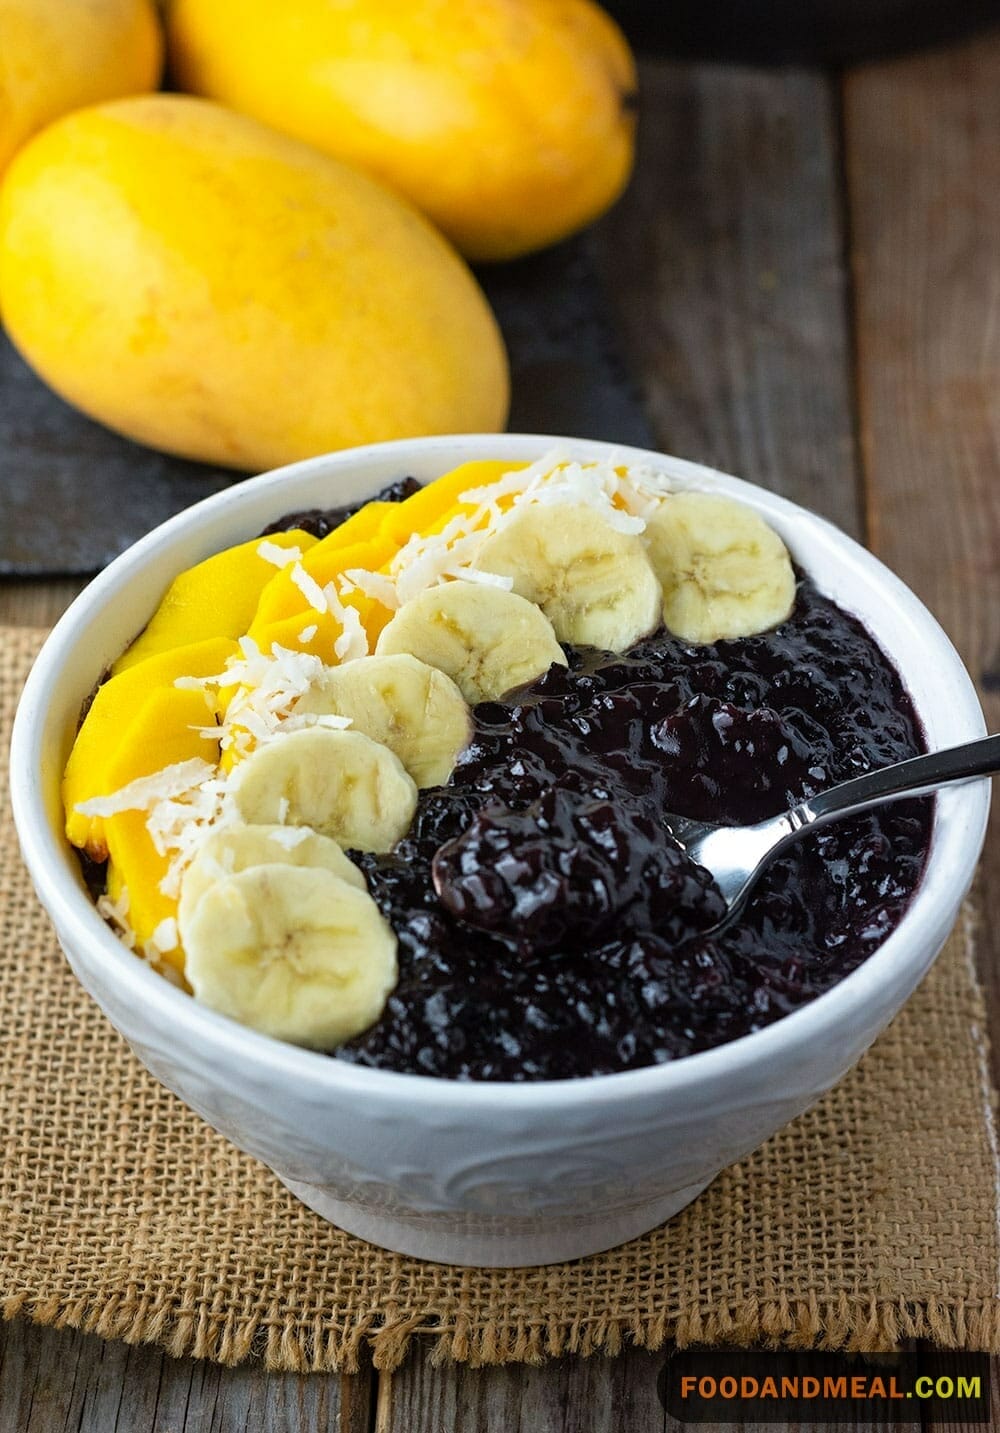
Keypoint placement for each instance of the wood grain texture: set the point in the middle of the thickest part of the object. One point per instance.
(567, 1396)
(595, 1395)
(54, 1381)
(923, 151)
(725, 261)
(36, 603)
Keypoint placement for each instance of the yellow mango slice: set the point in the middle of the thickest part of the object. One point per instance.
(424, 511)
(103, 735)
(368, 540)
(217, 598)
(348, 545)
(163, 732)
(286, 632)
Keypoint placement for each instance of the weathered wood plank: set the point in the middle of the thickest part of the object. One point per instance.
(597, 1394)
(923, 164)
(600, 1395)
(35, 604)
(725, 261)
(55, 1381)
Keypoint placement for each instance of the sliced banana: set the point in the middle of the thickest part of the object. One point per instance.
(413, 709)
(231, 849)
(487, 640)
(724, 571)
(340, 783)
(293, 951)
(594, 583)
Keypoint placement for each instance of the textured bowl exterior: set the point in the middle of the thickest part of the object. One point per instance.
(487, 1174)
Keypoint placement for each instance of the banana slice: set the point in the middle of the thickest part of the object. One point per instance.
(487, 640)
(232, 849)
(295, 952)
(341, 783)
(724, 571)
(413, 709)
(594, 583)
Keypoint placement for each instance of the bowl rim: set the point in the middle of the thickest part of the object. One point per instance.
(76, 918)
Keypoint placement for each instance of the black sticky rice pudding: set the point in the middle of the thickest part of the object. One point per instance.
(548, 925)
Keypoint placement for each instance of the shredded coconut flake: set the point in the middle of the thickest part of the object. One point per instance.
(353, 640)
(279, 556)
(145, 791)
(376, 585)
(308, 633)
(179, 826)
(266, 690)
(164, 937)
(301, 721)
(310, 588)
(624, 497)
(485, 579)
(116, 914)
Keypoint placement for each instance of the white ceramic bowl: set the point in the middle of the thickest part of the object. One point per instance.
(493, 1174)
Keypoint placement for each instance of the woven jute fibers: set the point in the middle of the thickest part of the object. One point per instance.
(871, 1219)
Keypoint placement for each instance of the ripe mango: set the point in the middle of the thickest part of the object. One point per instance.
(216, 598)
(162, 732)
(93, 766)
(429, 510)
(57, 55)
(207, 286)
(347, 546)
(509, 122)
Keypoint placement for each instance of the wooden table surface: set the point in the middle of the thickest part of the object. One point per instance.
(806, 273)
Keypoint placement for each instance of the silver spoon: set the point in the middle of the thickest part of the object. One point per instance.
(736, 855)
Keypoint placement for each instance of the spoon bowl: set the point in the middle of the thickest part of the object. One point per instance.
(735, 856)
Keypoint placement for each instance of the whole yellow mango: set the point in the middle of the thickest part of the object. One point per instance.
(509, 122)
(56, 55)
(205, 285)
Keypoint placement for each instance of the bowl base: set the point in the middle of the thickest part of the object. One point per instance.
(477, 1246)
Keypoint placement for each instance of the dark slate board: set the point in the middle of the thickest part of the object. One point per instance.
(73, 495)
(809, 32)
(568, 367)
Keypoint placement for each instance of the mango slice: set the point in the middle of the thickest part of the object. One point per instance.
(350, 545)
(426, 511)
(162, 732)
(105, 735)
(217, 598)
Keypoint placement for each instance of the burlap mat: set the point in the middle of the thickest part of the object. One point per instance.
(871, 1219)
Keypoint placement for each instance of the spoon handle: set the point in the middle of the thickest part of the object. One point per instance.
(916, 777)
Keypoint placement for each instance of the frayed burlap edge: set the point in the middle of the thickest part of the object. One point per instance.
(856, 1325)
